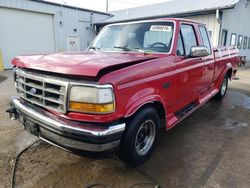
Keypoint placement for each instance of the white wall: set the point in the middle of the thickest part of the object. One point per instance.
(67, 24)
(68, 17)
(237, 21)
(25, 32)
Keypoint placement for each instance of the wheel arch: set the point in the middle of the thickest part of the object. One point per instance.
(157, 105)
(229, 73)
(229, 70)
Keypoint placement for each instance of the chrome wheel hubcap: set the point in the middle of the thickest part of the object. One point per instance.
(224, 87)
(145, 137)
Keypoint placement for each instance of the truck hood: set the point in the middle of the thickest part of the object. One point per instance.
(81, 63)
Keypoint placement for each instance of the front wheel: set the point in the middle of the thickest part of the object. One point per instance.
(223, 89)
(140, 136)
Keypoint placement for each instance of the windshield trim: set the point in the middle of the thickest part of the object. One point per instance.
(144, 21)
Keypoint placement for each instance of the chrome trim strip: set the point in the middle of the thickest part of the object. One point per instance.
(66, 142)
(49, 142)
(44, 80)
(38, 77)
(52, 123)
(106, 86)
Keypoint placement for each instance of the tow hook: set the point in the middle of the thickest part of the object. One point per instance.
(12, 113)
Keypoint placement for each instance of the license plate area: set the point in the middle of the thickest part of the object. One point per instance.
(29, 125)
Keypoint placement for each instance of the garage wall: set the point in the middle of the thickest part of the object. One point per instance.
(239, 25)
(68, 23)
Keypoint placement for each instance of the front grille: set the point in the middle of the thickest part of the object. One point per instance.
(48, 92)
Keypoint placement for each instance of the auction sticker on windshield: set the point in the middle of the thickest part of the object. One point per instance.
(164, 28)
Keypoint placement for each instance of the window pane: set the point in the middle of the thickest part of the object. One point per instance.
(157, 37)
(233, 39)
(205, 38)
(223, 41)
(147, 36)
(180, 47)
(239, 45)
(210, 34)
(245, 43)
(109, 38)
(133, 41)
(189, 37)
(249, 43)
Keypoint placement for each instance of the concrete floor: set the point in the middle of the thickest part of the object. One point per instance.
(211, 148)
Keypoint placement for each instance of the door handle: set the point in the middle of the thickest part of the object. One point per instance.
(201, 59)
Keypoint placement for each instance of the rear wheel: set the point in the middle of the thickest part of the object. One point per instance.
(140, 136)
(223, 89)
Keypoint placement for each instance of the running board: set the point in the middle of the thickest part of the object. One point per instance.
(179, 114)
(174, 118)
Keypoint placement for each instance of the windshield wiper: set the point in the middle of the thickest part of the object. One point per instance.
(129, 49)
(94, 48)
(124, 48)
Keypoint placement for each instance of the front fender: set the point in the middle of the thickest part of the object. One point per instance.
(142, 97)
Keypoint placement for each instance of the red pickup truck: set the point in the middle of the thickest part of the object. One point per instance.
(134, 78)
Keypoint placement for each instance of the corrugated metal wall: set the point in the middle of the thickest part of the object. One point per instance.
(236, 21)
(67, 21)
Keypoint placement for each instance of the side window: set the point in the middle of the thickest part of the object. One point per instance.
(233, 40)
(223, 41)
(205, 38)
(189, 37)
(245, 43)
(249, 43)
(180, 47)
(239, 44)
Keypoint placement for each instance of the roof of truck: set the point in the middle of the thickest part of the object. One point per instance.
(159, 20)
(171, 8)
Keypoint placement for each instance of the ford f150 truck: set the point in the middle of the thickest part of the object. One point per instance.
(134, 78)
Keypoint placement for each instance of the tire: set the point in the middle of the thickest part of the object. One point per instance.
(223, 89)
(140, 137)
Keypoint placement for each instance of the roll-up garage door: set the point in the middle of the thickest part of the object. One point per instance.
(24, 32)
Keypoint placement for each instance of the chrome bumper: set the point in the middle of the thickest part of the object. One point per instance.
(64, 133)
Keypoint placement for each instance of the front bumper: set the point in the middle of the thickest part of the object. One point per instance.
(64, 133)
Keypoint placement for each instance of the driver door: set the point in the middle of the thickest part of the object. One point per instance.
(189, 70)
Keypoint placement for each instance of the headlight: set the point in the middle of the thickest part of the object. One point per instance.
(92, 99)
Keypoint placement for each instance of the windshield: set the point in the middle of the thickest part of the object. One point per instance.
(144, 37)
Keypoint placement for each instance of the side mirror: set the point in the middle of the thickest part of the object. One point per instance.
(199, 51)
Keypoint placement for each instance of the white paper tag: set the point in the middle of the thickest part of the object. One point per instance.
(164, 28)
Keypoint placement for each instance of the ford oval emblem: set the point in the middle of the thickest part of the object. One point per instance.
(33, 90)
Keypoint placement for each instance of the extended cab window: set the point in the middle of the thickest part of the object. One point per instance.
(189, 37)
(204, 37)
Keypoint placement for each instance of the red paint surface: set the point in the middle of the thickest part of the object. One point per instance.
(190, 79)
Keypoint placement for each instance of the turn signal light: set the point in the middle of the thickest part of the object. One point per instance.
(91, 108)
